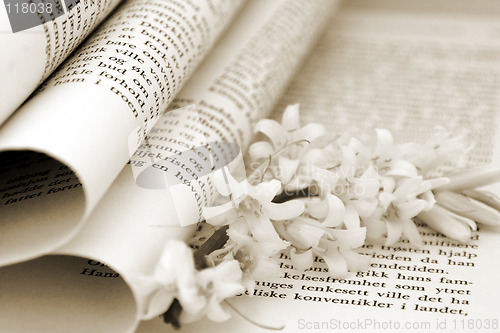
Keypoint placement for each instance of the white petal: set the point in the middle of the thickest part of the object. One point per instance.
(384, 142)
(410, 209)
(365, 187)
(336, 211)
(260, 149)
(284, 211)
(394, 231)
(468, 207)
(376, 229)
(411, 232)
(291, 117)
(436, 183)
(351, 217)
(273, 130)
(365, 207)
(408, 189)
(385, 199)
(448, 223)
(266, 191)
(226, 184)
(220, 215)
(302, 260)
(349, 238)
(287, 168)
(317, 208)
(216, 312)
(304, 236)
(337, 265)
(262, 228)
(316, 156)
(388, 184)
(310, 132)
(472, 178)
(348, 166)
(355, 262)
(485, 197)
(403, 168)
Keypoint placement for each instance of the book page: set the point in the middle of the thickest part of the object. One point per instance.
(408, 72)
(36, 39)
(131, 224)
(91, 113)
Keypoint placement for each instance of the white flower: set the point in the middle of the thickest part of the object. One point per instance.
(461, 206)
(438, 150)
(321, 234)
(174, 277)
(286, 149)
(254, 257)
(250, 208)
(215, 284)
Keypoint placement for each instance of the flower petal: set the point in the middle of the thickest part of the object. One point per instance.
(365, 187)
(411, 232)
(403, 168)
(337, 265)
(226, 184)
(394, 231)
(260, 149)
(266, 191)
(220, 215)
(365, 207)
(336, 211)
(410, 209)
(273, 130)
(384, 143)
(318, 208)
(310, 132)
(468, 207)
(303, 235)
(349, 238)
(448, 223)
(291, 118)
(261, 227)
(351, 217)
(472, 178)
(485, 197)
(283, 211)
(355, 262)
(287, 168)
(301, 260)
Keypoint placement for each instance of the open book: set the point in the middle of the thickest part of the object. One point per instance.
(77, 229)
(406, 66)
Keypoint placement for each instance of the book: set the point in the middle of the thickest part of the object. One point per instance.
(79, 229)
(408, 67)
(76, 262)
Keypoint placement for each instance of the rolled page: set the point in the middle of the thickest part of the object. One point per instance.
(63, 148)
(237, 84)
(36, 37)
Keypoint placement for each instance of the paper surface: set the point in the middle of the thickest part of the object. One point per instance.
(130, 225)
(117, 84)
(29, 56)
(408, 72)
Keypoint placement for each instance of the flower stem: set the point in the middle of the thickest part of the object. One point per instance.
(253, 322)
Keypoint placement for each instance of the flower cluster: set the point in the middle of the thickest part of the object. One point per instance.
(316, 196)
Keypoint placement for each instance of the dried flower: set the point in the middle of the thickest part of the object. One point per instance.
(317, 197)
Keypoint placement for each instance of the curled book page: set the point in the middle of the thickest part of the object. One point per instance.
(127, 231)
(79, 122)
(36, 37)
